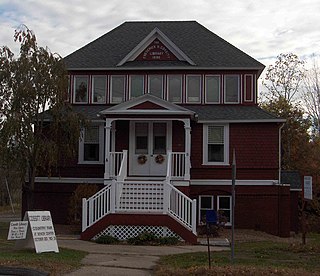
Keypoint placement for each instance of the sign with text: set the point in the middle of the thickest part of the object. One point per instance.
(17, 230)
(42, 230)
(307, 187)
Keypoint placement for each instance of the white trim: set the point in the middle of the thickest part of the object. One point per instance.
(101, 147)
(206, 92)
(162, 84)
(74, 88)
(124, 86)
(70, 180)
(245, 87)
(239, 88)
(228, 182)
(156, 33)
(105, 89)
(296, 190)
(225, 143)
(241, 121)
(229, 223)
(200, 89)
(130, 85)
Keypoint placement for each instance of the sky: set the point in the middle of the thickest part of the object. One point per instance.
(262, 29)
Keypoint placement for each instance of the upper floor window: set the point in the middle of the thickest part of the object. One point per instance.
(212, 84)
(175, 88)
(136, 86)
(117, 88)
(91, 145)
(99, 89)
(248, 88)
(231, 89)
(193, 89)
(155, 85)
(216, 144)
(81, 89)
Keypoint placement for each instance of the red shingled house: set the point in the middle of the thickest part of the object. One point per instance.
(168, 103)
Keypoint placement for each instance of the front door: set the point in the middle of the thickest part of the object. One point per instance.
(149, 142)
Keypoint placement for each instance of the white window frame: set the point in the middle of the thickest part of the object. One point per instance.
(187, 89)
(199, 209)
(168, 90)
(143, 85)
(226, 145)
(225, 90)
(162, 84)
(245, 87)
(124, 88)
(101, 146)
(229, 223)
(74, 88)
(206, 91)
(92, 89)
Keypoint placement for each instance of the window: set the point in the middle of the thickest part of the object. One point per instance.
(231, 88)
(91, 145)
(216, 144)
(99, 89)
(136, 86)
(212, 89)
(175, 88)
(224, 208)
(248, 88)
(193, 89)
(81, 89)
(156, 85)
(205, 203)
(117, 88)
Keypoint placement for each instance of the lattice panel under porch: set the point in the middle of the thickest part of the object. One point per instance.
(124, 232)
(141, 196)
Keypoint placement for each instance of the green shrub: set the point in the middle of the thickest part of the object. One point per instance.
(169, 241)
(106, 239)
(143, 239)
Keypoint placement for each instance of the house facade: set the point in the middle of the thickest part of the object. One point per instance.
(168, 103)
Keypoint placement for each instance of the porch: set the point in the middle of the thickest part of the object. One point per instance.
(126, 206)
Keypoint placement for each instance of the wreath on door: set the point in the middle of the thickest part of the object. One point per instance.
(142, 159)
(159, 159)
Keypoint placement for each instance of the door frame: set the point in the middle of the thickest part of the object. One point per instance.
(132, 163)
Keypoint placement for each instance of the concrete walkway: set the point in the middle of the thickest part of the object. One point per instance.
(123, 259)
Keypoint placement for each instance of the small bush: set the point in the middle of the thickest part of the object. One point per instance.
(143, 239)
(106, 239)
(169, 241)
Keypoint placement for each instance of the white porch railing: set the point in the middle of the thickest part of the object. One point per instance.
(115, 159)
(142, 196)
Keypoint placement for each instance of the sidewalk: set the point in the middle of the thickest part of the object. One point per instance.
(123, 259)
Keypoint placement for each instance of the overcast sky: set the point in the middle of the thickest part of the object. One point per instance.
(263, 29)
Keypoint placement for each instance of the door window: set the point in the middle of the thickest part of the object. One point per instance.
(159, 138)
(141, 138)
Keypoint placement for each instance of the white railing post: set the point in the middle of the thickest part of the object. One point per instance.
(123, 171)
(187, 131)
(194, 217)
(84, 214)
(113, 197)
(169, 166)
(166, 197)
(107, 165)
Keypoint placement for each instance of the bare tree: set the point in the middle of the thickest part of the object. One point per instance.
(283, 79)
(311, 96)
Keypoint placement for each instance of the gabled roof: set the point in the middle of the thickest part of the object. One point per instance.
(147, 104)
(192, 40)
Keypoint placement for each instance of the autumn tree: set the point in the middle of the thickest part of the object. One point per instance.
(311, 97)
(283, 79)
(36, 123)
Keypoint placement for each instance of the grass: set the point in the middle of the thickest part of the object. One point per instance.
(54, 263)
(251, 258)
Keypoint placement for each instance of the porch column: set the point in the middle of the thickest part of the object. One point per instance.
(187, 135)
(108, 128)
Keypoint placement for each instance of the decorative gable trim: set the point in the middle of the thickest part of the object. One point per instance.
(156, 34)
(143, 103)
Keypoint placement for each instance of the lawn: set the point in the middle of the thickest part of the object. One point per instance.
(251, 258)
(54, 263)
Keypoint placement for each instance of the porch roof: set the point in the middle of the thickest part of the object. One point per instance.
(204, 113)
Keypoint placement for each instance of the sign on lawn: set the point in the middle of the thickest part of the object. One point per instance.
(307, 187)
(42, 230)
(17, 230)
